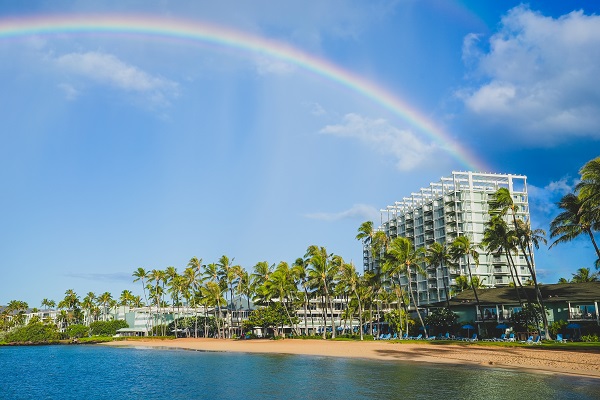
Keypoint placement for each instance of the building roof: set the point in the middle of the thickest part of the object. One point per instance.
(561, 292)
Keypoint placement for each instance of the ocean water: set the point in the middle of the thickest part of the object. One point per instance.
(97, 372)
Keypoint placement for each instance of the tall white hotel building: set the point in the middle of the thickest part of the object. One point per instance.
(455, 206)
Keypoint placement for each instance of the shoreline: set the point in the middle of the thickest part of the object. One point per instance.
(531, 359)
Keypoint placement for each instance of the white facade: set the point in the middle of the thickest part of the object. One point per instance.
(454, 206)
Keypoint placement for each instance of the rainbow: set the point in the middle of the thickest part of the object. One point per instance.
(220, 36)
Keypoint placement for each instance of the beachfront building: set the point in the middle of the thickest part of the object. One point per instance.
(577, 304)
(454, 206)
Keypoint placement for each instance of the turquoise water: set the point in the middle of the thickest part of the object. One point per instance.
(96, 372)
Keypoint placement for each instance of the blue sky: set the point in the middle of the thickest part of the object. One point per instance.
(121, 151)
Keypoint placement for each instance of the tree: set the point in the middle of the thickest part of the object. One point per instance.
(585, 275)
(403, 259)
(462, 247)
(439, 256)
(71, 304)
(442, 319)
(321, 274)
(213, 294)
(104, 300)
(141, 274)
(281, 286)
(498, 239)
(589, 191)
(300, 272)
(89, 303)
(193, 281)
(159, 277)
(350, 280)
(227, 275)
(270, 316)
(48, 304)
(573, 221)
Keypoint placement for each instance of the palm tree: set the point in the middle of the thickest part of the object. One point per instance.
(462, 247)
(585, 275)
(589, 190)
(70, 303)
(498, 238)
(300, 272)
(227, 275)
(213, 294)
(104, 299)
(159, 277)
(88, 303)
(528, 239)
(281, 286)
(439, 256)
(48, 304)
(574, 221)
(175, 286)
(141, 274)
(193, 280)
(403, 259)
(365, 234)
(351, 281)
(321, 274)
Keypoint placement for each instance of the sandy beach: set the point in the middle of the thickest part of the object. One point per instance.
(534, 359)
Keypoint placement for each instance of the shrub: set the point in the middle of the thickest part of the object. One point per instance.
(107, 328)
(34, 333)
(77, 331)
(589, 338)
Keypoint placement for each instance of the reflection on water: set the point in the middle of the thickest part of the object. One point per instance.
(95, 372)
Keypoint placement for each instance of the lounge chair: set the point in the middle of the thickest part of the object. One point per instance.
(417, 337)
(473, 338)
(405, 336)
(502, 338)
(528, 341)
(537, 340)
(559, 338)
(395, 336)
(510, 338)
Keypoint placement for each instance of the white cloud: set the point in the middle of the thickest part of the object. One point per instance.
(107, 69)
(70, 92)
(539, 78)
(543, 200)
(316, 109)
(362, 211)
(404, 145)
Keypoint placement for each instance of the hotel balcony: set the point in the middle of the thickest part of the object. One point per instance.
(501, 271)
(583, 317)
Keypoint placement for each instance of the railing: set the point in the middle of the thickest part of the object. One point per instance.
(583, 316)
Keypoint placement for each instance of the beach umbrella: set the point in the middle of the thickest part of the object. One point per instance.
(575, 327)
(468, 328)
(501, 326)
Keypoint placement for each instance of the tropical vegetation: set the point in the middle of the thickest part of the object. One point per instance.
(385, 292)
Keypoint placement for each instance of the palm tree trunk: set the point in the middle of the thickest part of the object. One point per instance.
(328, 298)
(511, 266)
(589, 232)
(473, 287)
(444, 270)
(414, 302)
(359, 315)
(324, 308)
(305, 312)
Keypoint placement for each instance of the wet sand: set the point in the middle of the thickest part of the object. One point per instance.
(532, 358)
